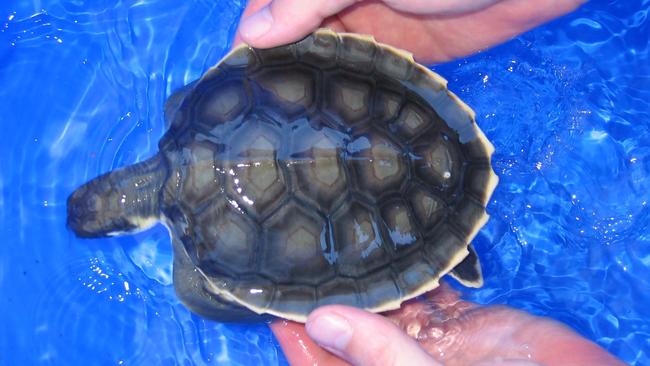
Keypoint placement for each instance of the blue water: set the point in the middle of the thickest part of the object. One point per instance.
(82, 89)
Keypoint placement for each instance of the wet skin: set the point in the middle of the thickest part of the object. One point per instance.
(432, 35)
(450, 330)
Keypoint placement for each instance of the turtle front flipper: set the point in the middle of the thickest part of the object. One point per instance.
(189, 284)
(468, 272)
(117, 202)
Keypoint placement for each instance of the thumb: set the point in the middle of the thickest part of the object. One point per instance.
(283, 21)
(363, 338)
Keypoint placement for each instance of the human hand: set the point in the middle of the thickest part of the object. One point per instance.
(438, 329)
(434, 31)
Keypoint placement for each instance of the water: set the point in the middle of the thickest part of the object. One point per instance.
(83, 84)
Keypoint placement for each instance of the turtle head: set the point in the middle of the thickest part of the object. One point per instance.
(122, 201)
(96, 210)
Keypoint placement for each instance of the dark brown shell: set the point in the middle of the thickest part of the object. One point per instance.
(332, 170)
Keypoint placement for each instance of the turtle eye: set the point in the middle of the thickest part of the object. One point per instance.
(85, 201)
(84, 208)
(93, 203)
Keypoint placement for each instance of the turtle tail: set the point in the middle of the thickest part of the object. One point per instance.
(117, 202)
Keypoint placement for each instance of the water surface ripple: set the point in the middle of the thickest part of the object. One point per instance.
(566, 106)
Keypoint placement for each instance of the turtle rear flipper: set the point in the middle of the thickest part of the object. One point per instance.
(468, 272)
(189, 284)
(124, 200)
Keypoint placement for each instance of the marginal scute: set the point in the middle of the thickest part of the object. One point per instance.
(294, 299)
(477, 151)
(469, 215)
(422, 79)
(319, 49)
(477, 178)
(281, 55)
(379, 288)
(357, 54)
(339, 291)
(256, 292)
(413, 272)
(442, 245)
(241, 57)
(392, 64)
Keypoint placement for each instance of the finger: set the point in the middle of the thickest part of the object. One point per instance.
(429, 7)
(251, 7)
(333, 23)
(299, 348)
(284, 21)
(363, 338)
(507, 363)
(442, 38)
(254, 6)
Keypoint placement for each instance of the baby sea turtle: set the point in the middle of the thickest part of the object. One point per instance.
(331, 170)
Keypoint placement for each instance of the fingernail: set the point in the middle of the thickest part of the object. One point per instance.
(256, 25)
(330, 330)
